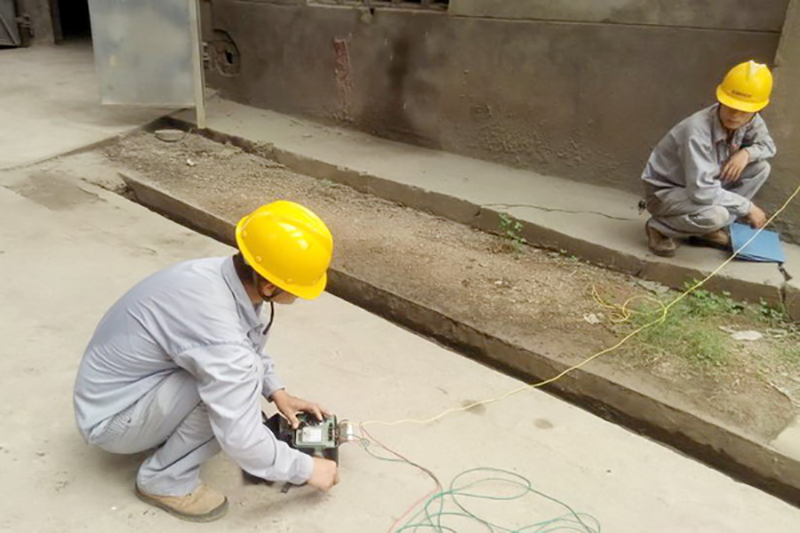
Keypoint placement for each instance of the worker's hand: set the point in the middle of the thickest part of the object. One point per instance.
(290, 406)
(756, 218)
(325, 474)
(732, 170)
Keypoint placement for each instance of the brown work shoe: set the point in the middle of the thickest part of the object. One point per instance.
(660, 244)
(718, 239)
(203, 505)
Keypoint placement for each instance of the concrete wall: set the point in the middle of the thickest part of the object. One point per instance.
(783, 117)
(578, 99)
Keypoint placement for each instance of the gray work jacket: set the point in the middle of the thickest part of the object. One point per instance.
(194, 316)
(693, 153)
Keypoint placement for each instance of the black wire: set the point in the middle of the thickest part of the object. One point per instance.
(271, 316)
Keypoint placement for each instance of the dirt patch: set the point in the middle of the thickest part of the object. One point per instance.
(52, 192)
(532, 297)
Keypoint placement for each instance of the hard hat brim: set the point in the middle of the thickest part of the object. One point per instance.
(747, 107)
(306, 293)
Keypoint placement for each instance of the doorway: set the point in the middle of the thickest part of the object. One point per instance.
(71, 20)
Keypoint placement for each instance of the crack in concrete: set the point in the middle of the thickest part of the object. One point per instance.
(554, 210)
(783, 295)
(786, 276)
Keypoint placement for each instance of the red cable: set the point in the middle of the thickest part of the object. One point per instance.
(436, 488)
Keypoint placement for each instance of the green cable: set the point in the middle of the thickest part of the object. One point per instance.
(572, 521)
(449, 504)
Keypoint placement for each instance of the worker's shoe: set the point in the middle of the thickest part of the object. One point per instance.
(717, 239)
(203, 505)
(660, 244)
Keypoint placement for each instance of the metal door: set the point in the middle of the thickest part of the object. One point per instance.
(147, 52)
(9, 32)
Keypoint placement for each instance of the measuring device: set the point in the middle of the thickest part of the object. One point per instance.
(312, 436)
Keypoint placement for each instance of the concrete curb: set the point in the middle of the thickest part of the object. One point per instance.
(744, 285)
(705, 439)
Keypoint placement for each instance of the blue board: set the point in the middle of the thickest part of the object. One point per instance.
(766, 248)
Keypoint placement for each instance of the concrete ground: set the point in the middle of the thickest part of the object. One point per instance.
(69, 249)
(55, 89)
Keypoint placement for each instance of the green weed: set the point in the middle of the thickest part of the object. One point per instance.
(790, 353)
(702, 303)
(772, 315)
(689, 331)
(511, 230)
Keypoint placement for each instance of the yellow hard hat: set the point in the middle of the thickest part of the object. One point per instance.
(746, 87)
(289, 246)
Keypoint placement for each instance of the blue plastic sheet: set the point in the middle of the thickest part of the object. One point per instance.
(766, 248)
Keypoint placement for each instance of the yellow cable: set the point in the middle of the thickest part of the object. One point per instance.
(662, 316)
(622, 313)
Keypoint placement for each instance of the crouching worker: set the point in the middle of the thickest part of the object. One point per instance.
(704, 174)
(177, 364)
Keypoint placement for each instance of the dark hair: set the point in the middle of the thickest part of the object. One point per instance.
(245, 271)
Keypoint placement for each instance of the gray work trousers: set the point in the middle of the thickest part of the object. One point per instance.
(172, 418)
(676, 215)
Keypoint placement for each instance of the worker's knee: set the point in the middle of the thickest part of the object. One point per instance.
(758, 170)
(198, 422)
(711, 219)
(762, 168)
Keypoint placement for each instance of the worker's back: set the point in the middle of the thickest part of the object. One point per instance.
(184, 306)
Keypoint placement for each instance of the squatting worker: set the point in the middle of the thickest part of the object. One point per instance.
(177, 364)
(704, 174)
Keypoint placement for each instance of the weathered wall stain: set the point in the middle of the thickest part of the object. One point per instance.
(344, 81)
